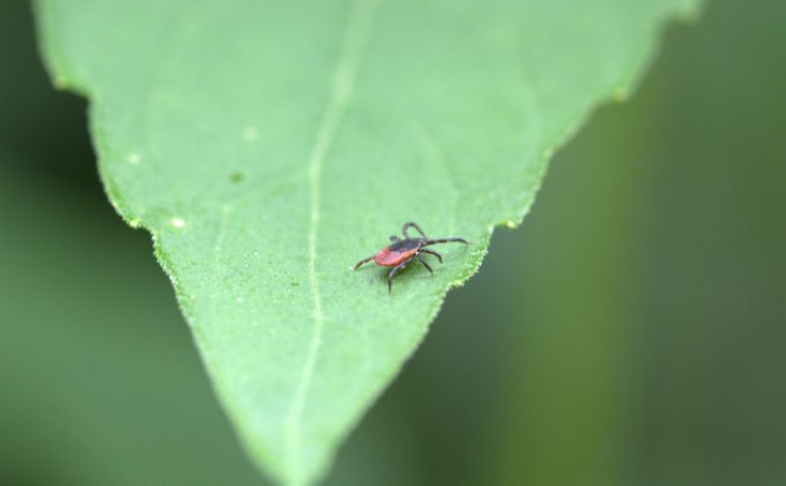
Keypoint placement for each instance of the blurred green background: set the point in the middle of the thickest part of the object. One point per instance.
(631, 332)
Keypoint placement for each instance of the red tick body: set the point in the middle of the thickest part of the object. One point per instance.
(402, 251)
(397, 253)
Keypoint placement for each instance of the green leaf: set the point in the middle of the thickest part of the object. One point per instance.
(268, 146)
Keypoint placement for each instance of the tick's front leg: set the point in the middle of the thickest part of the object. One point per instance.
(432, 252)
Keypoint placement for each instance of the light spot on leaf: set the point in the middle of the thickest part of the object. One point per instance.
(250, 134)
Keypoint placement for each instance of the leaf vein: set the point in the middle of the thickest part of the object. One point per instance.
(354, 40)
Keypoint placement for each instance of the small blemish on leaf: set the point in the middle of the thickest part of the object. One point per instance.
(61, 83)
(236, 177)
(178, 222)
(621, 95)
(134, 159)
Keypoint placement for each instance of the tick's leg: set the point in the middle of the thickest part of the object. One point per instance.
(395, 270)
(425, 264)
(363, 261)
(432, 252)
(412, 225)
(449, 239)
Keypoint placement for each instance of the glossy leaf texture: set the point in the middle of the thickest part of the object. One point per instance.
(268, 146)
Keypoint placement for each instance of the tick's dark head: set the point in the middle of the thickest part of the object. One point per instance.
(407, 244)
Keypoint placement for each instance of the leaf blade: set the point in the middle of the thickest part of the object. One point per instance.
(254, 206)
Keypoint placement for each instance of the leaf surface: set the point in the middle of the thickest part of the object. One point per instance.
(268, 146)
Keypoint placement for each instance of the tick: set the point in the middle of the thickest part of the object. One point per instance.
(402, 251)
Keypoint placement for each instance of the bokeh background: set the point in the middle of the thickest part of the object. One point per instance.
(631, 332)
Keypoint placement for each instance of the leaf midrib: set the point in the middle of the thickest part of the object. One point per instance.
(355, 36)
